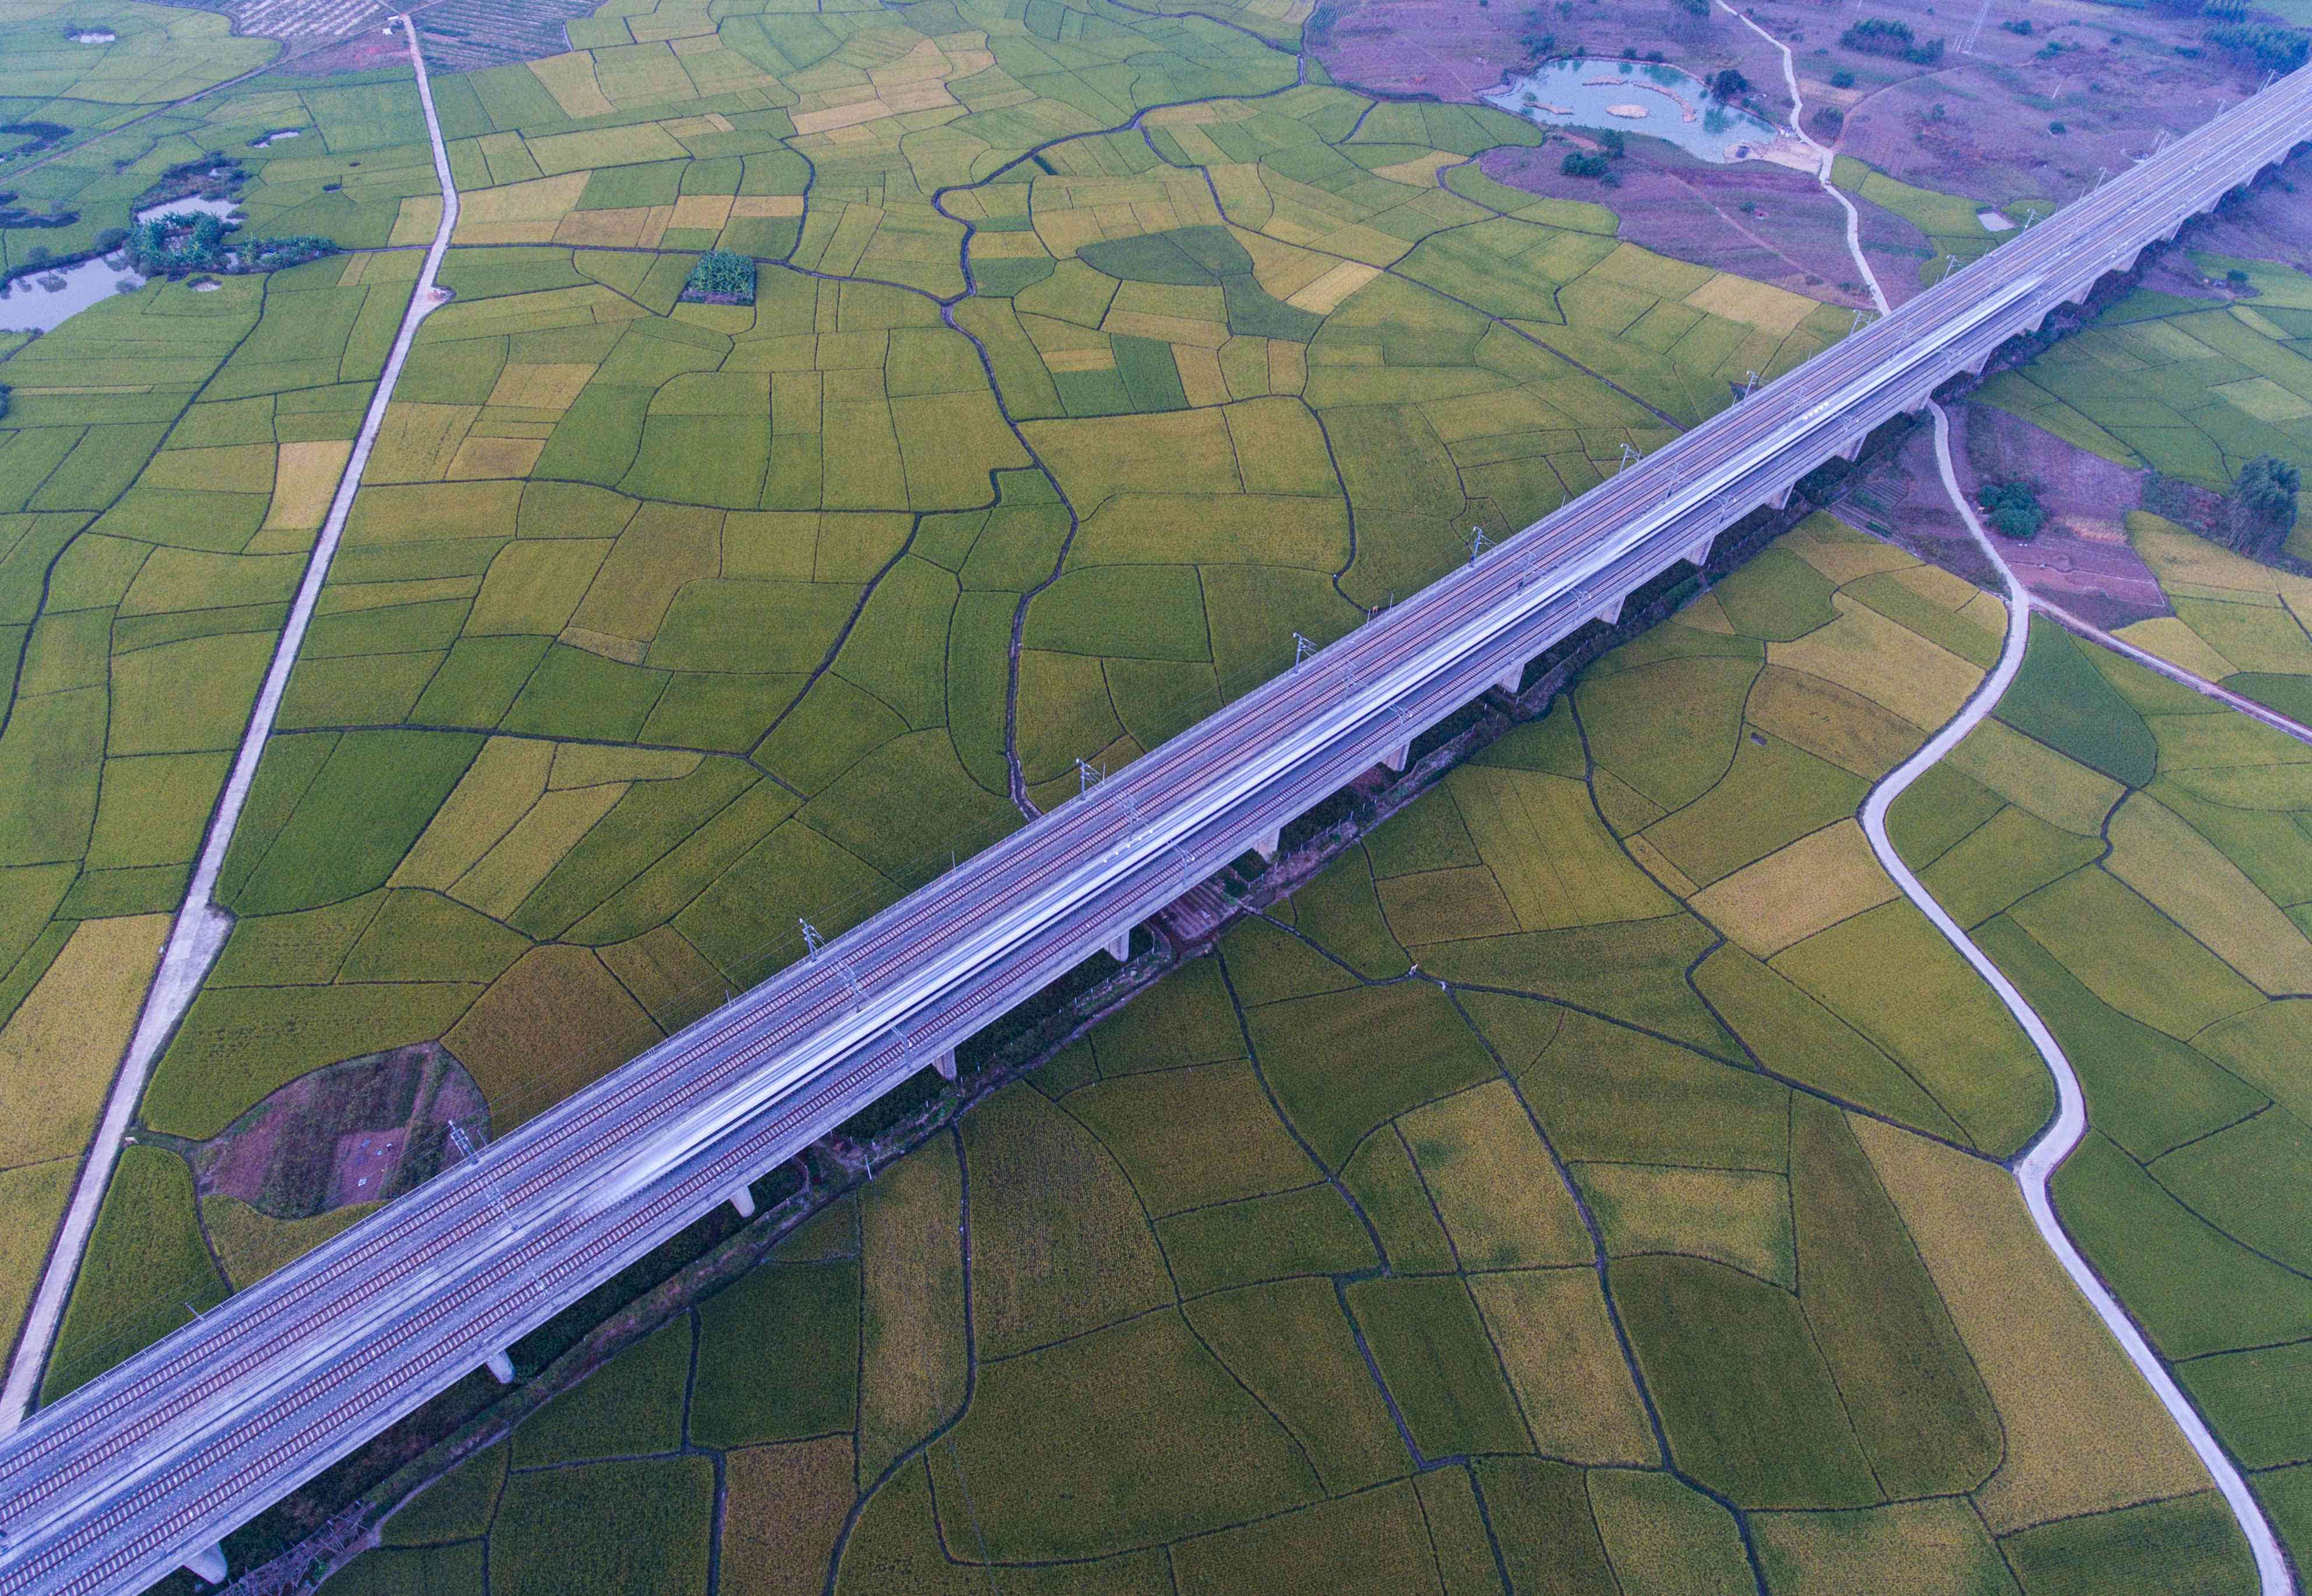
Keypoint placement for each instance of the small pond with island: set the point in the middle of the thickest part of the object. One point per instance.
(1638, 97)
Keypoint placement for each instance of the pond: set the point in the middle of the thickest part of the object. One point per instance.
(30, 305)
(1636, 97)
(191, 205)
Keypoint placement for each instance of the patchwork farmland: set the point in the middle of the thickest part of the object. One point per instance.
(1594, 1179)
(1310, 1272)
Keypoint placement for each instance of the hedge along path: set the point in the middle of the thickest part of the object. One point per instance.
(199, 932)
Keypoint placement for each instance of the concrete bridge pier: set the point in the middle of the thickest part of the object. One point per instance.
(1268, 843)
(743, 1202)
(1610, 611)
(1119, 948)
(1397, 757)
(207, 1563)
(945, 1064)
(500, 1366)
(1512, 679)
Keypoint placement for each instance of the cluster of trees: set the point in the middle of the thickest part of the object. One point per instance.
(721, 277)
(1727, 84)
(1878, 36)
(2014, 508)
(173, 245)
(2276, 49)
(2260, 512)
(1612, 147)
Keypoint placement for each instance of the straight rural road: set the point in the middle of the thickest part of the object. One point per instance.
(150, 1464)
(198, 934)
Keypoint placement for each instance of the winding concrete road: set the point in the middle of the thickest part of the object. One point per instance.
(198, 934)
(2039, 1163)
(2036, 1168)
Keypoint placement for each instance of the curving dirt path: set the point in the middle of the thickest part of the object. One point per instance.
(2037, 1164)
(1822, 173)
(199, 932)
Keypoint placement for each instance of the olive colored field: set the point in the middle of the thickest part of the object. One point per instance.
(1614, 1285)
(2192, 387)
(658, 625)
(2168, 957)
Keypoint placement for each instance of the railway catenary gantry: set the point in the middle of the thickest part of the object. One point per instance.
(148, 1466)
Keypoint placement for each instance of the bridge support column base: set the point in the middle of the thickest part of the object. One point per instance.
(1698, 556)
(945, 1065)
(742, 1201)
(1119, 946)
(1268, 843)
(500, 1366)
(207, 1563)
(1398, 757)
(1610, 612)
(1512, 680)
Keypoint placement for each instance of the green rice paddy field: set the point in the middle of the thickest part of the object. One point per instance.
(2195, 390)
(166, 461)
(2190, 388)
(1649, 1237)
(2134, 860)
(1091, 357)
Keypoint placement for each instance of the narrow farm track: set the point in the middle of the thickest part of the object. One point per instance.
(2173, 671)
(2035, 1167)
(1822, 173)
(199, 933)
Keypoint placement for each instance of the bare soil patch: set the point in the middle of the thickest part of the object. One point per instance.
(2081, 559)
(362, 1131)
(2113, 80)
(1762, 220)
(1451, 49)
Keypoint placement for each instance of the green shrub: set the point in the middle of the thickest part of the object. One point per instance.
(2014, 508)
(722, 278)
(1841, 79)
(2260, 512)
(1877, 36)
